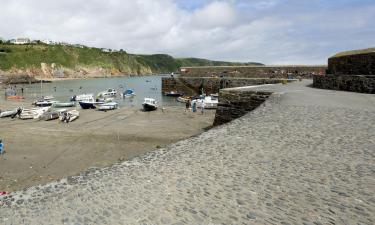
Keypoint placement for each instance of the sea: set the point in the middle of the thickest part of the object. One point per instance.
(63, 90)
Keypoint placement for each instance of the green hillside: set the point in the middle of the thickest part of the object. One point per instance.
(32, 55)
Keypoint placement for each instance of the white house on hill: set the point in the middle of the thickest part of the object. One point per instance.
(20, 41)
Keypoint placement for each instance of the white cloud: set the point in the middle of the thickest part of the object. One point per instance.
(269, 31)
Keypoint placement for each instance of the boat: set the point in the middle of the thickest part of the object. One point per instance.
(210, 102)
(173, 93)
(43, 103)
(83, 97)
(149, 104)
(48, 97)
(69, 116)
(8, 113)
(34, 113)
(87, 104)
(63, 104)
(15, 97)
(108, 93)
(183, 99)
(128, 93)
(50, 115)
(108, 106)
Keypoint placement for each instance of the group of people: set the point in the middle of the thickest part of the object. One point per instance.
(193, 105)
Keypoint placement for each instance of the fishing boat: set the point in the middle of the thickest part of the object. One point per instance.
(108, 106)
(128, 93)
(7, 113)
(69, 116)
(149, 104)
(34, 113)
(210, 102)
(173, 93)
(108, 93)
(87, 104)
(63, 104)
(83, 97)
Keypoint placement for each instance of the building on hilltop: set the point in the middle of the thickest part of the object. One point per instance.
(20, 41)
(48, 42)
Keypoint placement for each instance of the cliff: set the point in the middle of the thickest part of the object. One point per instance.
(61, 61)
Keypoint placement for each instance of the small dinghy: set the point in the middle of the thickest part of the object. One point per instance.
(15, 97)
(8, 113)
(43, 103)
(183, 99)
(50, 115)
(108, 106)
(34, 113)
(69, 116)
(129, 93)
(63, 104)
(149, 104)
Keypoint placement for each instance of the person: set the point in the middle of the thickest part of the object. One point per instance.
(202, 106)
(194, 105)
(187, 104)
(22, 90)
(1, 147)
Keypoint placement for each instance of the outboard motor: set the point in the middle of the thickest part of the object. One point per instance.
(73, 99)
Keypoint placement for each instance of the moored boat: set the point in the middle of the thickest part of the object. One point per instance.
(50, 115)
(63, 104)
(15, 97)
(8, 113)
(173, 93)
(34, 113)
(210, 102)
(82, 97)
(87, 104)
(69, 116)
(43, 103)
(108, 93)
(183, 99)
(108, 106)
(149, 104)
(128, 93)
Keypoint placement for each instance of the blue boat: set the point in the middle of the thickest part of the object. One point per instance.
(128, 93)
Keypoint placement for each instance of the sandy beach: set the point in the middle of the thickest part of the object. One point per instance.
(41, 151)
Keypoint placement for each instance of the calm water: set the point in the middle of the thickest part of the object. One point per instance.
(143, 86)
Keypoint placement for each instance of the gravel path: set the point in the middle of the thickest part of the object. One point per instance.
(304, 157)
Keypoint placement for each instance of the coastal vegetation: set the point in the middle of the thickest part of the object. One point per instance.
(29, 57)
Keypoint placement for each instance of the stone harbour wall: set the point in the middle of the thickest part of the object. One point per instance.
(210, 85)
(355, 83)
(355, 64)
(254, 71)
(236, 102)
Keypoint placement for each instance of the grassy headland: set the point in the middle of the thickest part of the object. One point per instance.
(71, 60)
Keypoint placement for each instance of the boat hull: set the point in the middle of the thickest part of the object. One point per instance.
(108, 106)
(149, 107)
(87, 105)
(63, 104)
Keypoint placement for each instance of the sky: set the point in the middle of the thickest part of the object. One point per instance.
(266, 31)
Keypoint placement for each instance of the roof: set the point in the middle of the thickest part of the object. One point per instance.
(355, 52)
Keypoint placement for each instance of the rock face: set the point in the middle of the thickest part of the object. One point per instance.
(236, 102)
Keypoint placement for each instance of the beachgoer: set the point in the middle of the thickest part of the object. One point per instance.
(1, 147)
(202, 106)
(194, 105)
(22, 90)
(187, 104)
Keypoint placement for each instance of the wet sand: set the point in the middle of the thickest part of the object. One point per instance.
(40, 151)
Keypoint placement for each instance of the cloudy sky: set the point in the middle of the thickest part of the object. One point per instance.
(267, 31)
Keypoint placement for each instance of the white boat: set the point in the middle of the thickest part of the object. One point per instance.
(48, 97)
(69, 116)
(149, 104)
(108, 106)
(210, 102)
(44, 103)
(63, 104)
(51, 115)
(83, 97)
(129, 93)
(8, 113)
(34, 113)
(108, 93)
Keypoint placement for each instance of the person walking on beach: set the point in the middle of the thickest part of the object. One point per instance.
(187, 104)
(194, 105)
(1, 147)
(202, 106)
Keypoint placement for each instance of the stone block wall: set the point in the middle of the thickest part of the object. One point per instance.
(193, 85)
(355, 64)
(234, 103)
(355, 83)
(254, 71)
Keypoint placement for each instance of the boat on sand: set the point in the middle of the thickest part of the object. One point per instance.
(108, 106)
(149, 104)
(69, 116)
